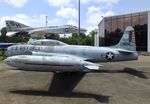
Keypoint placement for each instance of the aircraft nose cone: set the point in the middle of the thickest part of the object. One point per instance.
(7, 61)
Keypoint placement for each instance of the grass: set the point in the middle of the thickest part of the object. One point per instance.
(1, 58)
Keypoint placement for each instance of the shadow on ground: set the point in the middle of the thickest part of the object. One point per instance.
(100, 98)
(131, 71)
(64, 83)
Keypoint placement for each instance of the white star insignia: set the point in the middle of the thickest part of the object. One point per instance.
(109, 55)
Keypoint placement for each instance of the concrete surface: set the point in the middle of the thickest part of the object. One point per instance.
(117, 83)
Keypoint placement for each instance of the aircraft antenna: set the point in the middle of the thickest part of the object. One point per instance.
(46, 21)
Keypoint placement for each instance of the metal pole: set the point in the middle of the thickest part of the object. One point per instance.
(46, 21)
(79, 24)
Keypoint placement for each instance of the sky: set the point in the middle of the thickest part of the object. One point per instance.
(65, 12)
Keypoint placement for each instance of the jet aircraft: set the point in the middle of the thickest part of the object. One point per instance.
(63, 58)
(14, 27)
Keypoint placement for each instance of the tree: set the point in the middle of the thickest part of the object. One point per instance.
(18, 38)
(91, 37)
(3, 34)
(52, 36)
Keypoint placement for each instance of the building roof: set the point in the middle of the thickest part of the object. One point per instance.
(123, 15)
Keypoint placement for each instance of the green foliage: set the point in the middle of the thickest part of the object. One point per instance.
(52, 36)
(19, 38)
(73, 40)
(1, 58)
(3, 34)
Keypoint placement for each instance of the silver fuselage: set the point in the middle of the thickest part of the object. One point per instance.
(96, 54)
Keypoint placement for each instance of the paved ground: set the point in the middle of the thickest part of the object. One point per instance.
(121, 83)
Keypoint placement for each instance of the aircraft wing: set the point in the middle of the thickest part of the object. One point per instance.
(56, 30)
(42, 32)
(10, 34)
(37, 31)
(92, 66)
(86, 64)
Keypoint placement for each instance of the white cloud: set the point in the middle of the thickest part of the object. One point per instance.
(72, 22)
(59, 3)
(55, 22)
(18, 17)
(95, 15)
(67, 13)
(34, 21)
(103, 4)
(91, 28)
(16, 3)
(107, 1)
(62, 3)
(100, 1)
(85, 1)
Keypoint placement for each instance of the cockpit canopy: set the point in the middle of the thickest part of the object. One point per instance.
(46, 42)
